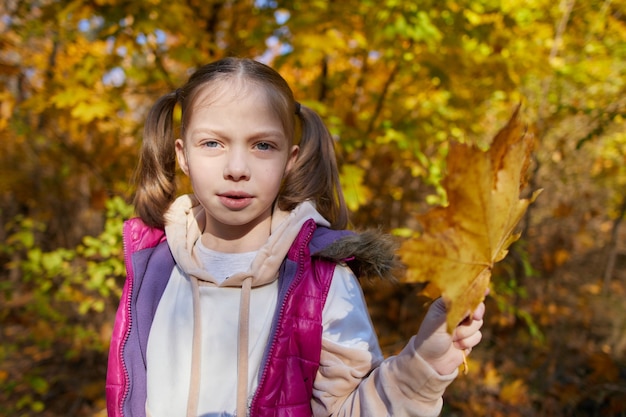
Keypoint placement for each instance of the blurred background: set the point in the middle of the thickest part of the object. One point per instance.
(396, 81)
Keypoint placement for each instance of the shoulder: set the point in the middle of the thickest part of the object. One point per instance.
(323, 237)
(138, 236)
(370, 253)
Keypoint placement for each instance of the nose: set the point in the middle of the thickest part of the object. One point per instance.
(237, 167)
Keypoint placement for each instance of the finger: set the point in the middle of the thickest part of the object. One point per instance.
(468, 326)
(439, 307)
(468, 329)
(468, 342)
(479, 313)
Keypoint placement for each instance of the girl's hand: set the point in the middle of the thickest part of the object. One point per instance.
(445, 352)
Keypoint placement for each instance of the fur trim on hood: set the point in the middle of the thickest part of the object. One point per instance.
(370, 254)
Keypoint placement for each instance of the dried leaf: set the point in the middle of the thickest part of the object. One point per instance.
(461, 242)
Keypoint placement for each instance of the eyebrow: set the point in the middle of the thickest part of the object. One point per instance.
(261, 133)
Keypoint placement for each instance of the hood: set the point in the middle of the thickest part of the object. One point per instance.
(185, 221)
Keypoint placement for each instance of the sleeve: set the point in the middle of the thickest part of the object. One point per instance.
(353, 379)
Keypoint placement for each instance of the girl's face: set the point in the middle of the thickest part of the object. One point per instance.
(236, 153)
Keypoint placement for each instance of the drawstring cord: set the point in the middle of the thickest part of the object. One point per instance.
(242, 355)
(242, 350)
(196, 350)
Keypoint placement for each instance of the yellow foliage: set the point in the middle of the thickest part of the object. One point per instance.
(355, 193)
(492, 379)
(462, 241)
(515, 393)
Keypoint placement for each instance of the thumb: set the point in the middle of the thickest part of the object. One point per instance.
(434, 320)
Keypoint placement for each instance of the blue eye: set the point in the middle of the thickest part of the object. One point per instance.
(211, 144)
(263, 146)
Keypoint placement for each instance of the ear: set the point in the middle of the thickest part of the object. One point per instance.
(293, 157)
(182, 156)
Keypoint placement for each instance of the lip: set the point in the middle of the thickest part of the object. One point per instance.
(235, 200)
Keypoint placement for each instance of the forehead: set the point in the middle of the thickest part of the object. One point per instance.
(224, 90)
(234, 111)
(233, 90)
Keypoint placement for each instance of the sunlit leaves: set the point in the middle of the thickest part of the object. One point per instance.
(355, 192)
(83, 276)
(395, 80)
(83, 105)
(61, 299)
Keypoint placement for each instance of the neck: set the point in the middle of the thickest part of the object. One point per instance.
(237, 239)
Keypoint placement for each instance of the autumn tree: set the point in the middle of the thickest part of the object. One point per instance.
(396, 81)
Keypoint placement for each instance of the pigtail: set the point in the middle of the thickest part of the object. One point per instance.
(156, 172)
(315, 175)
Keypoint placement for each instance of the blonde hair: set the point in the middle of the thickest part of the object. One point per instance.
(314, 177)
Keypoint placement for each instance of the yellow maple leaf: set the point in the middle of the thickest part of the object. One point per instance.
(461, 242)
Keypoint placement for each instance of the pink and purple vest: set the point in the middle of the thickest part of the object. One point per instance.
(292, 356)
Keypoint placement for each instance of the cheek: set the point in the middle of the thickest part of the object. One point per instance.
(200, 173)
(276, 173)
(271, 180)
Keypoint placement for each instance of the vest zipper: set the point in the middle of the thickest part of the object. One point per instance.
(297, 279)
(130, 278)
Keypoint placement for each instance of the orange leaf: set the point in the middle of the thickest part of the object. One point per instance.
(462, 241)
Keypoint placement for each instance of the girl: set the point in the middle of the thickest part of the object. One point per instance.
(239, 299)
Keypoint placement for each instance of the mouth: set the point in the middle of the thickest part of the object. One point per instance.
(235, 200)
(235, 195)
